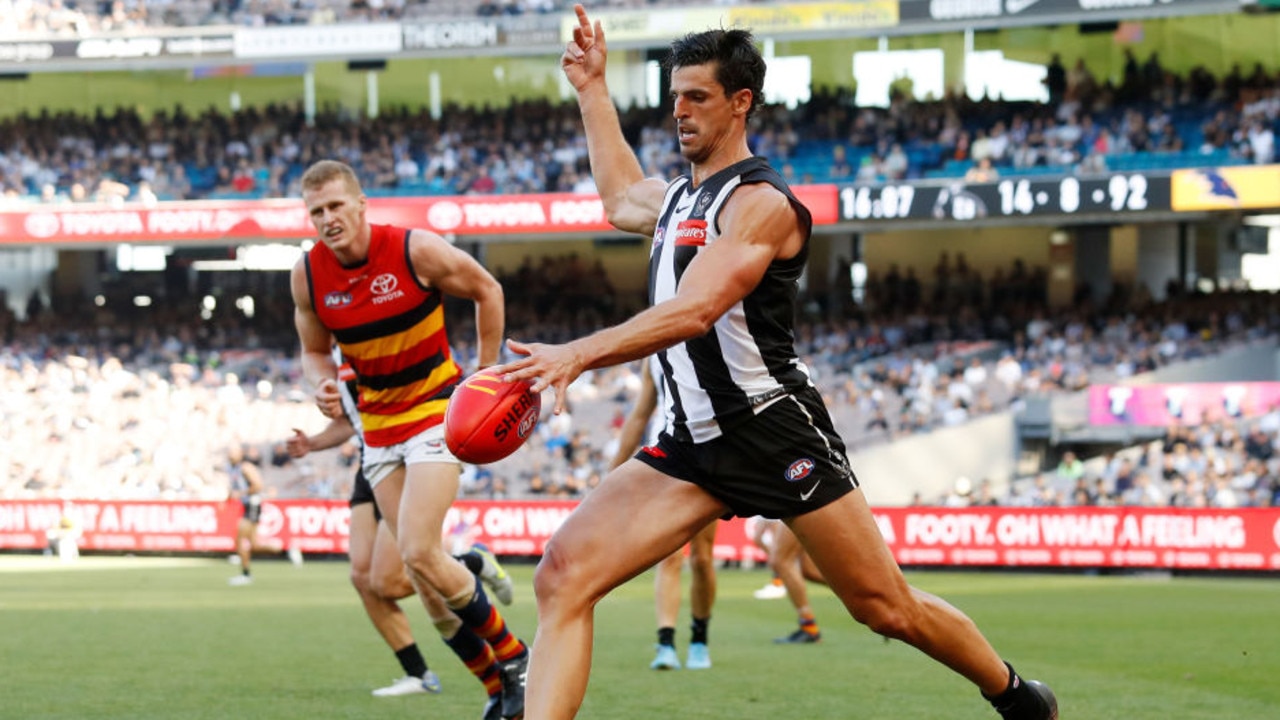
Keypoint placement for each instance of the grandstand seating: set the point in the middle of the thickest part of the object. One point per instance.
(883, 378)
(444, 157)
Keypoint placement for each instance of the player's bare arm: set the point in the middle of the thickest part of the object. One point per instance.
(253, 477)
(631, 202)
(317, 344)
(758, 225)
(633, 427)
(454, 272)
(335, 433)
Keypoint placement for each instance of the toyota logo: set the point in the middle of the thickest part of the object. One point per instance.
(383, 284)
(271, 523)
(444, 215)
(42, 225)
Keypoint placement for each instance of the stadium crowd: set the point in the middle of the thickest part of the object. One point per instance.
(538, 145)
(1220, 463)
(79, 18)
(144, 404)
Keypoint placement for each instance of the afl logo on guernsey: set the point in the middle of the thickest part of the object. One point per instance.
(657, 237)
(337, 299)
(799, 470)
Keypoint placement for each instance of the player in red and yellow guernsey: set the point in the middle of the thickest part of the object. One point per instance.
(378, 291)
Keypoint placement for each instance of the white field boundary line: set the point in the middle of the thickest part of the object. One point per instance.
(41, 563)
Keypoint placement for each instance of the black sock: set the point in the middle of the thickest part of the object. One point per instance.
(699, 628)
(1005, 698)
(411, 660)
(472, 560)
(244, 572)
(667, 636)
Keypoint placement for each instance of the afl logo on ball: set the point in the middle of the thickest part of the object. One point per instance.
(799, 470)
(527, 422)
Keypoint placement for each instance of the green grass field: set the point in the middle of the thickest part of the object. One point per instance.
(167, 638)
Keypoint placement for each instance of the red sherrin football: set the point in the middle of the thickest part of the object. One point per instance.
(488, 419)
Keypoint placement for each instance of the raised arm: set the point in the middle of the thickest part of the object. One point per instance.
(631, 202)
(454, 272)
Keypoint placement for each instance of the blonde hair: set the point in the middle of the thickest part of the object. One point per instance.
(325, 171)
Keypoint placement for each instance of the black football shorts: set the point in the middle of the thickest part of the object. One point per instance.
(361, 493)
(787, 460)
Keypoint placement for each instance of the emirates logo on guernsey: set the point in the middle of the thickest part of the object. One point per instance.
(691, 232)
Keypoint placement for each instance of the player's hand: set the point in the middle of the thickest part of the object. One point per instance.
(584, 56)
(298, 444)
(329, 400)
(546, 366)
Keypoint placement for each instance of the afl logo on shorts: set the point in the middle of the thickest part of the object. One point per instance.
(800, 470)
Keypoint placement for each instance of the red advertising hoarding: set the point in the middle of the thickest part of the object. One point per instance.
(243, 220)
(1202, 539)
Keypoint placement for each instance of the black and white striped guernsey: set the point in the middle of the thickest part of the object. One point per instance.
(748, 358)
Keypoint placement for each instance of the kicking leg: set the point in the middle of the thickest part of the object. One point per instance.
(846, 545)
(635, 518)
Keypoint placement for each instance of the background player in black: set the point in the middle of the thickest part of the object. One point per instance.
(666, 583)
(245, 485)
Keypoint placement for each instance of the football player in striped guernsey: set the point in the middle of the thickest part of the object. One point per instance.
(747, 432)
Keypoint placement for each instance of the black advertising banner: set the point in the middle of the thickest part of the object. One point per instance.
(34, 51)
(1117, 194)
(997, 13)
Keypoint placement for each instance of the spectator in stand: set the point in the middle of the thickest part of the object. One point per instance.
(982, 171)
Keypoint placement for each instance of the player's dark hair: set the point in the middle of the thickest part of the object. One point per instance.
(739, 64)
